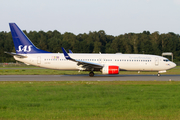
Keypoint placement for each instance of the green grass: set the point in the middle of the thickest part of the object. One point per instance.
(90, 100)
(14, 65)
(39, 71)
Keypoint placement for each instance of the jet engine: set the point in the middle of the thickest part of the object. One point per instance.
(110, 69)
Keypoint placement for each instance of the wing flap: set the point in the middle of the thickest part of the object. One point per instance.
(89, 64)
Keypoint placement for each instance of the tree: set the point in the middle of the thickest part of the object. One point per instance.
(145, 42)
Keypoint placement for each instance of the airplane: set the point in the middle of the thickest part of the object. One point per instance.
(29, 54)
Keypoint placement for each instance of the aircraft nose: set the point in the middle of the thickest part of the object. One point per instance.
(173, 65)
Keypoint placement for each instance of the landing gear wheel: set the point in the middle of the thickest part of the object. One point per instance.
(91, 74)
(158, 74)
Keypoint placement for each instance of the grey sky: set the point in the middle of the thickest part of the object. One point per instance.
(115, 17)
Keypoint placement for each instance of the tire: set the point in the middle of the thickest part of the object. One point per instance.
(91, 74)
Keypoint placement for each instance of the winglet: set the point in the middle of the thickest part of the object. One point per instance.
(65, 54)
(70, 51)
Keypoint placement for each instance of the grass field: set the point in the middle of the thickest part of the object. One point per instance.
(17, 70)
(90, 100)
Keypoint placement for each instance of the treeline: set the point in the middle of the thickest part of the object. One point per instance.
(95, 42)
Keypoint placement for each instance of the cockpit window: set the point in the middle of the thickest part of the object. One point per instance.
(165, 60)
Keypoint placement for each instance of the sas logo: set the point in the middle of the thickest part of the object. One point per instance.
(24, 48)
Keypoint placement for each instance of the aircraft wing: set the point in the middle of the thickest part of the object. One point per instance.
(17, 55)
(83, 64)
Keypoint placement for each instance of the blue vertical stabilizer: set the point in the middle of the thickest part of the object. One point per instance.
(22, 43)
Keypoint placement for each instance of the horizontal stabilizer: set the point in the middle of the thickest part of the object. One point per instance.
(17, 55)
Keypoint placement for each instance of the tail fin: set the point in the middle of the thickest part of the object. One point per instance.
(21, 42)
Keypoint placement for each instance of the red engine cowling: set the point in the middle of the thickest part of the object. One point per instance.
(111, 69)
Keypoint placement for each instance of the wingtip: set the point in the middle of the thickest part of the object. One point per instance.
(70, 51)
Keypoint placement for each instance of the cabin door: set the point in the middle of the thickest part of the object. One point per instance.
(156, 61)
(38, 60)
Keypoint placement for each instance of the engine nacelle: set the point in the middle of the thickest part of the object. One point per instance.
(110, 69)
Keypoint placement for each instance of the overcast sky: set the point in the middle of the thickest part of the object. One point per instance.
(115, 17)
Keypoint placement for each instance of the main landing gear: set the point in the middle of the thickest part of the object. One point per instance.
(158, 74)
(91, 74)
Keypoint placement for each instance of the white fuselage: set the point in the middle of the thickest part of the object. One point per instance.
(130, 62)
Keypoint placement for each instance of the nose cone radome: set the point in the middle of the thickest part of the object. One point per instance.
(173, 65)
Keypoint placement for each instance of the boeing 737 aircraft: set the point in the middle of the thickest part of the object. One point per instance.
(27, 53)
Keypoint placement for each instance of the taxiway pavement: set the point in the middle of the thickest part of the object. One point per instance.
(87, 78)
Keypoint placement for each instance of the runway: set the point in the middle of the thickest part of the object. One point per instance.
(87, 78)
